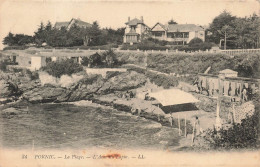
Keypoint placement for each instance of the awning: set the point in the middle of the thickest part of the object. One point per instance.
(169, 97)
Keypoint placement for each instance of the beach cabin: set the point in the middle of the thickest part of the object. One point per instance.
(174, 100)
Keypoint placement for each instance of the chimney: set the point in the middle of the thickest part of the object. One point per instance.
(128, 18)
(142, 18)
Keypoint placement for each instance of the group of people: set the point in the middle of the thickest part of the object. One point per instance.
(211, 88)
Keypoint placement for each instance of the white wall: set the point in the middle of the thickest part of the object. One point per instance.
(37, 62)
(200, 34)
(127, 29)
(191, 36)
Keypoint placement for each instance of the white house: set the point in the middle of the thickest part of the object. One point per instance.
(134, 30)
(179, 34)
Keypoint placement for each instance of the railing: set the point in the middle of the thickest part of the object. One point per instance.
(235, 51)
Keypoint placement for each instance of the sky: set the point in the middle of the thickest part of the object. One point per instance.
(24, 16)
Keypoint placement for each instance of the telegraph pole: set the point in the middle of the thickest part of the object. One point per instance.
(225, 44)
(220, 94)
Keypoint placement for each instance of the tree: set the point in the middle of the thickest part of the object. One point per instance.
(40, 35)
(94, 35)
(247, 31)
(236, 32)
(48, 32)
(17, 39)
(76, 35)
(172, 22)
(227, 32)
(224, 19)
(9, 39)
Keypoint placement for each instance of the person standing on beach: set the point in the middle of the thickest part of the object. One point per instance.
(196, 129)
(171, 119)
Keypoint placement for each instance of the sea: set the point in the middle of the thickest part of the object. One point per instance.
(69, 126)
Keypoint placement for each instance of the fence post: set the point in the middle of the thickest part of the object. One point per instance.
(234, 112)
(179, 125)
(185, 127)
(193, 134)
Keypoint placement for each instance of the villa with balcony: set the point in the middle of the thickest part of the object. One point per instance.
(134, 30)
(178, 34)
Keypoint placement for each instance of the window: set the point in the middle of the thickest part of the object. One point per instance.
(186, 35)
(158, 34)
(170, 35)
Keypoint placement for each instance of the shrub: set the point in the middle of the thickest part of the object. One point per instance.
(110, 58)
(59, 68)
(158, 79)
(3, 66)
(16, 47)
(83, 47)
(146, 45)
(32, 75)
(85, 61)
(244, 135)
(183, 63)
(162, 80)
(195, 41)
(95, 60)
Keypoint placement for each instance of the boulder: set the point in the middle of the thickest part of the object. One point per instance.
(11, 111)
(122, 82)
(8, 88)
(44, 94)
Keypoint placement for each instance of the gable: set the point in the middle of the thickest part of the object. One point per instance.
(158, 27)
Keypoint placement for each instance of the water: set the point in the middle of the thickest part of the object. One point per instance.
(58, 126)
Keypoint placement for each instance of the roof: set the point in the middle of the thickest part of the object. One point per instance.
(58, 25)
(183, 28)
(227, 71)
(180, 27)
(170, 97)
(163, 26)
(134, 22)
(81, 23)
(78, 22)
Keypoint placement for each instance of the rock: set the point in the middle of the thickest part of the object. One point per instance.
(11, 111)
(8, 88)
(44, 94)
(122, 82)
(29, 85)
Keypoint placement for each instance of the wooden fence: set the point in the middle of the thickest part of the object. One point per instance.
(237, 51)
